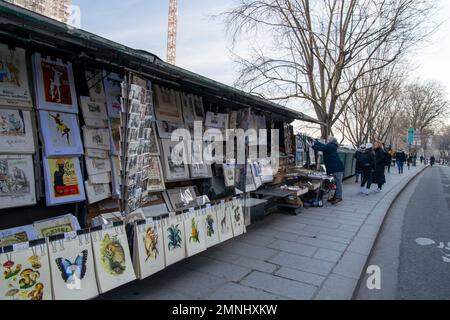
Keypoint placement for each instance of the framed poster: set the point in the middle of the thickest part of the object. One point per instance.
(94, 113)
(55, 85)
(175, 169)
(97, 192)
(209, 218)
(17, 184)
(72, 267)
(55, 226)
(14, 84)
(174, 239)
(167, 106)
(195, 233)
(96, 166)
(96, 138)
(25, 273)
(61, 134)
(17, 235)
(16, 131)
(224, 222)
(155, 175)
(113, 91)
(182, 198)
(63, 181)
(94, 80)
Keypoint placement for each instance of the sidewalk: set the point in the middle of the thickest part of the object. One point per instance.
(319, 254)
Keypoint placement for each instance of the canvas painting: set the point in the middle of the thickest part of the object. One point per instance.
(72, 266)
(25, 274)
(14, 88)
(16, 133)
(94, 80)
(55, 226)
(167, 106)
(224, 222)
(150, 248)
(97, 192)
(174, 239)
(96, 166)
(112, 258)
(55, 85)
(17, 235)
(61, 134)
(237, 217)
(176, 168)
(96, 138)
(17, 184)
(195, 233)
(63, 181)
(94, 113)
(113, 91)
(210, 225)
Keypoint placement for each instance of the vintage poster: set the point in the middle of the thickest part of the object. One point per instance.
(96, 138)
(17, 235)
(97, 192)
(17, 184)
(237, 217)
(96, 166)
(224, 222)
(63, 181)
(14, 84)
(195, 233)
(155, 175)
(174, 239)
(167, 106)
(16, 133)
(94, 113)
(57, 225)
(182, 198)
(61, 134)
(165, 129)
(209, 219)
(113, 91)
(55, 85)
(192, 107)
(175, 160)
(94, 80)
(217, 120)
(25, 274)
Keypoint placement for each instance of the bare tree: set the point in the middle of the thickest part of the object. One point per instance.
(319, 50)
(442, 142)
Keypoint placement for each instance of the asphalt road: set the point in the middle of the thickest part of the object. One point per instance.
(413, 249)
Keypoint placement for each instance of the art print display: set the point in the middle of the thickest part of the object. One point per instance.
(97, 192)
(148, 257)
(175, 168)
(112, 258)
(237, 217)
(63, 181)
(72, 266)
(210, 224)
(155, 175)
(55, 226)
(14, 88)
(96, 138)
(229, 174)
(61, 134)
(167, 106)
(55, 85)
(16, 131)
(94, 113)
(25, 273)
(17, 235)
(95, 166)
(165, 129)
(96, 153)
(217, 120)
(113, 91)
(198, 167)
(174, 239)
(100, 178)
(94, 80)
(192, 107)
(182, 198)
(17, 184)
(224, 222)
(195, 233)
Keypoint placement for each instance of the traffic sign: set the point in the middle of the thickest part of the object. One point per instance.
(411, 136)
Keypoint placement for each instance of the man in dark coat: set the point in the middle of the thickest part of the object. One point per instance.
(367, 163)
(333, 164)
(400, 158)
(380, 162)
(358, 169)
(388, 158)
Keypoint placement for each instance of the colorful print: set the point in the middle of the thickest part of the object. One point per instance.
(65, 181)
(174, 237)
(210, 225)
(73, 273)
(56, 83)
(61, 126)
(112, 255)
(194, 232)
(151, 243)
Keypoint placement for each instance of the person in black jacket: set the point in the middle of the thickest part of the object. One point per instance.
(400, 158)
(388, 158)
(380, 162)
(358, 169)
(367, 163)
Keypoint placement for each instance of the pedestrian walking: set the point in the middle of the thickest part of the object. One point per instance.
(409, 161)
(380, 162)
(400, 158)
(367, 163)
(333, 165)
(432, 160)
(358, 169)
(389, 158)
(421, 159)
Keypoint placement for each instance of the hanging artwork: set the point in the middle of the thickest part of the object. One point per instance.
(192, 107)
(17, 185)
(97, 192)
(112, 258)
(17, 235)
(57, 225)
(267, 172)
(25, 273)
(63, 181)
(96, 166)
(195, 233)
(209, 218)
(94, 113)
(113, 90)
(229, 173)
(100, 178)
(55, 85)
(148, 257)
(96, 138)
(72, 266)
(198, 167)
(174, 239)
(167, 106)
(176, 169)
(16, 133)
(237, 217)
(224, 222)
(94, 80)
(61, 134)
(233, 120)
(250, 185)
(155, 175)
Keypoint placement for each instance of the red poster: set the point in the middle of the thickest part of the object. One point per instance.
(56, 83)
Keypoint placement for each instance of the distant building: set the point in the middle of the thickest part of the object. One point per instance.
(55, 9)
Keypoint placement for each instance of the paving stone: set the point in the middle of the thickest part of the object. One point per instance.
(320, 223)
(302, 263)
(369, 231)
(286, 236)
(361, 245)
(234, 291)
(315, 242)
(279, 286)
(351, 265)
(255, 264)
(347, 222)
(255, 239)
(333, 238)
(218, 268)
(337, 287)
(301, 276)
(328, 255)
(346, 227)
(293, 247)
(332, 232)
(248, 250)
(195, 284)
(218, 254)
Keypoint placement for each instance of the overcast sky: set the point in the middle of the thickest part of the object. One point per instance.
(202, 46)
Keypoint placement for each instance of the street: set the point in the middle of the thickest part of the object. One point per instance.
(413, 248)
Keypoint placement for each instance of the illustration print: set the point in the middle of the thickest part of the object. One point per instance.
(194, 232)
(13, 178)
(73, 273)
(61, 127)
(174, 237)
(12, 123)
(112, 255)
(237, 215)
(23, 284)
(56, 83)
(151, 243)
(65, 180)
(210, 225)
